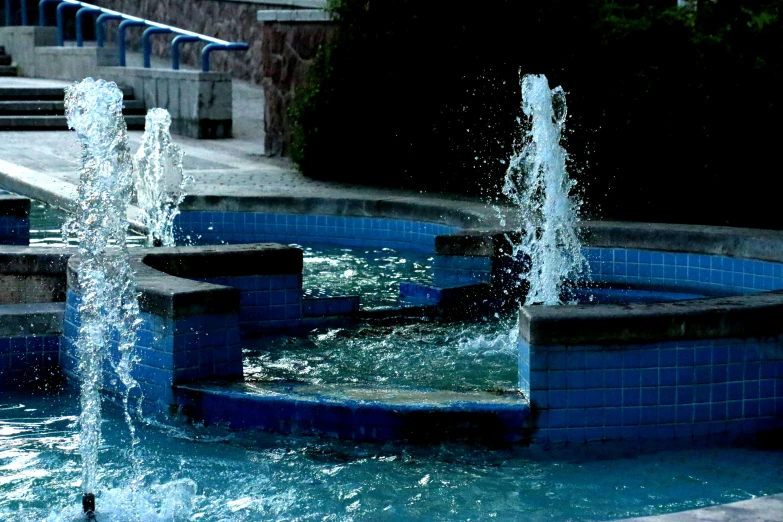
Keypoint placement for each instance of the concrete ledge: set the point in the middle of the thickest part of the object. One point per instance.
(461, 214)
(171, 297)
(226, 260)
(39, 319)
(361, 414)
(33, 274)
(293, 16)
(765, 245)
(12, 205)
(727, 317)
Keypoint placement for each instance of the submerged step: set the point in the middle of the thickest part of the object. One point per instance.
(361, 413)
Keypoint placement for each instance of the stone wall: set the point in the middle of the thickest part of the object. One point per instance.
(228, 21)
(289, 50)
(279, 58)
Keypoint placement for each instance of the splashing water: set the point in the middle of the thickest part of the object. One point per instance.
(109, 308)
(537, 183)
(160, 183)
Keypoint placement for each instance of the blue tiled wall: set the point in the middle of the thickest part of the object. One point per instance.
(252, 227)
(170, 351)
(268, 303)
(27, 361)
(670, 390)
(699, 273)
(452, 271)
(14, 230)
(323, 303)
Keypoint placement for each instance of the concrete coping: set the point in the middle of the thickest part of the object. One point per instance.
(174, 295)
(749, 315)
(226, 260)
(160, 73)
(301, 4)
(25, 260)
(293, 16)
(21, 320)
(455, 213)
(12, 205)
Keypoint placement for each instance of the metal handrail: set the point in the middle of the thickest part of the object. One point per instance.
(79, 17)
(9, 17)
(213, 44)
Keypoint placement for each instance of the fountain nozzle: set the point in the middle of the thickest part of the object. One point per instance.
(88, 504)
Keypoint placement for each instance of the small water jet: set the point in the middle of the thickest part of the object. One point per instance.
(159, 180)
(537, 183)
(109, 305)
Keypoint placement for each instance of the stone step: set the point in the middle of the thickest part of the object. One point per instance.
(43, 93)
(6, 70)
(55, 107)
(2, 49)
(5, 59)
(134, 122)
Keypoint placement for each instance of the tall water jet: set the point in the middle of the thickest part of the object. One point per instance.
(109, 305)
(160, 183)
(537, 183)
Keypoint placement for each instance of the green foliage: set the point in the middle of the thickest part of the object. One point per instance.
(673, 111)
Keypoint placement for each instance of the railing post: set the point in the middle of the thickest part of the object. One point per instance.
(79, 17)
(100, 32)
(147, 40)
(121, 37)
(8, 13)
(24, 12)
(42, 10)
(183, 38)
(219, 47)
(61, 21)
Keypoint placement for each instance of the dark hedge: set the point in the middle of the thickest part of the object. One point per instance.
(674, 114)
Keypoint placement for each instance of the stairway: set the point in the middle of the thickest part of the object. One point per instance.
(5, 64)
(42, 108)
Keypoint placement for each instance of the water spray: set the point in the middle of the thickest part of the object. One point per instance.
(159, 179)
(109, 306)
(537, 183)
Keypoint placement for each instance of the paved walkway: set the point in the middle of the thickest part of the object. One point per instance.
(44, 164)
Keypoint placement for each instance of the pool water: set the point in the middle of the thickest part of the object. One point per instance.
(193, 473)
(373, 274)
(426, 353)
(46, 223)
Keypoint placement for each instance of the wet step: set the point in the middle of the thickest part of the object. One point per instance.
(43, 108)
(5, 59)
(382, 413)
(54, 122)
(6, 70)
(44, 93)
(55, 107)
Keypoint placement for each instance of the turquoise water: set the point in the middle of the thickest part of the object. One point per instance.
(46, 222)
(375, 274)
(192, 473)
(448, 355)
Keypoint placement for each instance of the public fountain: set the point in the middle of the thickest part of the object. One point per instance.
(537, 183)
(158, 178)
(109, 306)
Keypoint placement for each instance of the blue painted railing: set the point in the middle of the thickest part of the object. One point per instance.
(82, 9)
